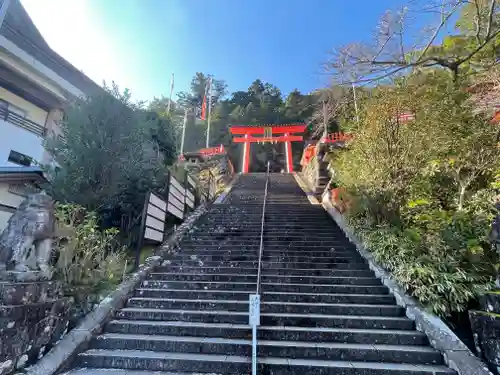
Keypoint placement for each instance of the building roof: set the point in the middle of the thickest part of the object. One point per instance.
(268, 125)
(20, 29)
(21, 174)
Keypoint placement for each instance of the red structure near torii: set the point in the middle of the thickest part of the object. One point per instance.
(272, 133)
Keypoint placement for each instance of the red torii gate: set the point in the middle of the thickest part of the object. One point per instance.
(285, 134)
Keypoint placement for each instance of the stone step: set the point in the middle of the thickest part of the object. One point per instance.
(283, 319)
(214, 257)
(198, 262)
(216, 277)
(256, 236)
(323, 289)
(317, 272)
(221, 255)
(162, 361)
(254, 256)
(179, 328)
(212, 316)
(207, 270)
(199, 285)
(343, 335)
(269, 248)
(315, 266)
(211, 264)
(285, 279)
(285, 258)
(275, 296)
(243, 331)
(337, 321)
(369, 299)
(256, 229)
(350, 352)
(266, 348)
(237, 224)
(268, 271)
(114, 371)
(194, 294)
(267, 287)
(267, 242)
(267, 306)
(191, 362)
(321, 280)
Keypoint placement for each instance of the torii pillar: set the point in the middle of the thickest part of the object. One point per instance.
(267, 131)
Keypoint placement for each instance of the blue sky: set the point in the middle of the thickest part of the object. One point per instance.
(139, 43)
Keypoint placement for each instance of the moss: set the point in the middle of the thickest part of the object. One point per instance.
(489, 314)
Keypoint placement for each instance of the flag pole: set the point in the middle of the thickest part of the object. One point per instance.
(171, 91)
(184, 130)
(209, 110)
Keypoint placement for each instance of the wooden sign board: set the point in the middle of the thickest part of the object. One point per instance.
(176, 198)
(155, 218)
(189, 199)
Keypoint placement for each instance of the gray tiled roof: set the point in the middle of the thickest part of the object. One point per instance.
(20, 29)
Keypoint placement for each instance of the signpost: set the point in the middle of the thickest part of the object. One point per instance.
(152, 223)
(254, 321)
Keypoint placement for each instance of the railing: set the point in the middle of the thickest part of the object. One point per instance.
(261, 246)
(22, 122)
(254, 302)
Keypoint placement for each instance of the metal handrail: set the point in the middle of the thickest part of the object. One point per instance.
(254, 300)
(261, 246)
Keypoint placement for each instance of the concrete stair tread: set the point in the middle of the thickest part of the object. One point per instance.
(145, 283)
(181, 324)
(305, 344)
(361, 317)
(218, 301)
(184, 311)
(314, 277)
(336, 330)
(265, 328)
(190, 274)
(328, 294)
(210, 340)
(264, 302)
(164, 355)
(150, 355)
(113, 371)
(197, 290)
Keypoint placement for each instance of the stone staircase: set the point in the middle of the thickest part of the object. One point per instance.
(323, 311)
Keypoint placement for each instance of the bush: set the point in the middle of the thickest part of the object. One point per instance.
(441, 258)
(88, 259)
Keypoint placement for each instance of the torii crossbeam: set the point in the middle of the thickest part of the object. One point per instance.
(267, 133)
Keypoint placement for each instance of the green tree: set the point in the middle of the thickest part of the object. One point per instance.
(109, 154)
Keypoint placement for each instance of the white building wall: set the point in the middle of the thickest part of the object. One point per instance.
(7, 199)
(20, 140)
(33, 112)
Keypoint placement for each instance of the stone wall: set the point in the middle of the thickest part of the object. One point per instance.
(33, 317)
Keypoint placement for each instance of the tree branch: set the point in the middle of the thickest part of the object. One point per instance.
(444, 20)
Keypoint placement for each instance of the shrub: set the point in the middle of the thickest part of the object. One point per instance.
(443, 259)
(88, 258)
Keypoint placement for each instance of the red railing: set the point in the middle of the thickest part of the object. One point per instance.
(22, 122)
(336, 137)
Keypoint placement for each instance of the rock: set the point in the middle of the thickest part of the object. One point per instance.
(486, 331)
